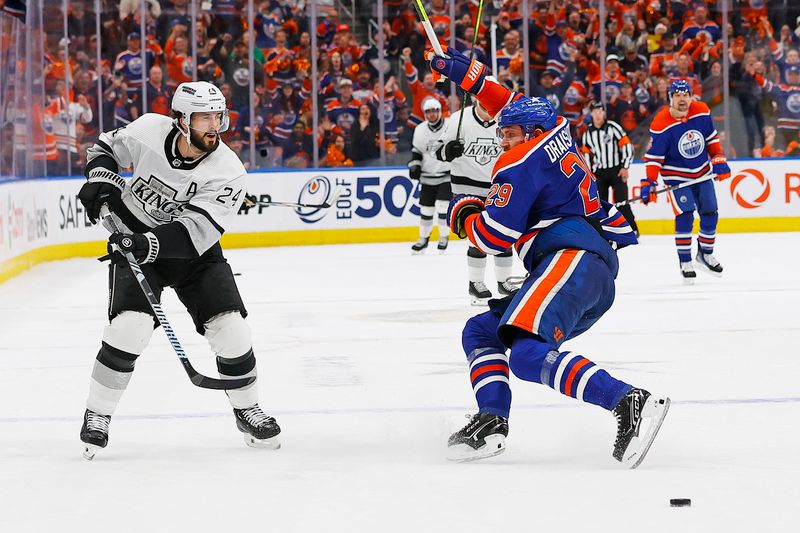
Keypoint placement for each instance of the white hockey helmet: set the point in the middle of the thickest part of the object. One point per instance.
(431, 103)
(200, 97)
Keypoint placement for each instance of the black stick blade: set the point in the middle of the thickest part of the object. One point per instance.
(206, 382)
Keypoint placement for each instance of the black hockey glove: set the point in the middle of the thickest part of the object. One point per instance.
(453, 150)
(415, 172)
(144, 247)
(94, 194)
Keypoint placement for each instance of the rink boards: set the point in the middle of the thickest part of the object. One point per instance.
(43, 220)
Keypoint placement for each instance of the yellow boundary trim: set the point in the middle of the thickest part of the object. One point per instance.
(16, 265)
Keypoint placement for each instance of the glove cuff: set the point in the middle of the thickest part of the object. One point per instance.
(102, 175)
(152, 250)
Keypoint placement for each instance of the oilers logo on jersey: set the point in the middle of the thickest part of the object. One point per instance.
(793, 103)
(483, 150)
(691, 144)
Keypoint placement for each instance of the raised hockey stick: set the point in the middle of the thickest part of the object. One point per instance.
(426, 25)
(110, 223)
(671, 188)
(471, 57)
(252, 201)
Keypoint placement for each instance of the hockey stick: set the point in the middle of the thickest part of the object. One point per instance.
(254, 202)
(471, 57)
(426, 25)
(110, 223)
(670, 188)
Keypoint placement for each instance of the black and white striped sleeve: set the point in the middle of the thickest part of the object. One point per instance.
(624, 145)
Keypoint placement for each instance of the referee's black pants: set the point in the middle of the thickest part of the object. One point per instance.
(609, 177)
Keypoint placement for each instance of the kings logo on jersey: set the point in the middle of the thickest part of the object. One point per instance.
(158, 199)
(317, 190)
(483, 150)
(691, 144)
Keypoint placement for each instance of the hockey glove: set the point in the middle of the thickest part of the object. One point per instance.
(458, 68)
(460, 208)
(719, 164)
(453, 150)
(94, 194)
(647, 190)
(415, 172)
(144, 247)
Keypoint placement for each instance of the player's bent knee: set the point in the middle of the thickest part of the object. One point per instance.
(129, 331)
(474, 252)
(527, 357)
(229, 335)
(480, 332)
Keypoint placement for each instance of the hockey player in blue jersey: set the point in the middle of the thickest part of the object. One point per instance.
(684, 147)
(544, 202)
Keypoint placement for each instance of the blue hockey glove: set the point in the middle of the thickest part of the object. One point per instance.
(719, 164)
(460, 208)
(647, 190)
(458, 68)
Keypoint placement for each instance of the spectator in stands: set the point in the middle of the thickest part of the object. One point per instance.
(553, 88)
(343, 111)
(126, 104)
(330, 77)
(364, 138)
(236, 66)
(177, 13)
(786, 96)
(128, 63)
(159, 97)
(178, 57)
(420, 89)
(298, 148)
(336, 155)
(749, 95)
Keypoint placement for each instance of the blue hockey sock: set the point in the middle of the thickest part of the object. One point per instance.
(708, 232)
(569, 373)
(683, 236)
(488, 364)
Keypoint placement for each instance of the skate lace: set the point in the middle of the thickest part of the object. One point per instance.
(480, 286)
(96, 422)
(256, 417)
(687, 267)
(710, 259)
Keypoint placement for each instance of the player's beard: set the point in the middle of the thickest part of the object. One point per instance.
(198, 140)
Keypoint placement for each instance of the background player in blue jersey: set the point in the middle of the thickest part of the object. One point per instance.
(683, 138)
(543, 201)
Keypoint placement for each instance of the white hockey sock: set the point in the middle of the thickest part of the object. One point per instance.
(441, 209)
(229, 337)
(476, 266)
(503, 266)
(426, 221)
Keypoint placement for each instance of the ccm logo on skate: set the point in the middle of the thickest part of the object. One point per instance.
(317, 190)
(750, 188)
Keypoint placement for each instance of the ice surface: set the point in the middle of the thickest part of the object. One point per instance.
(360, 361)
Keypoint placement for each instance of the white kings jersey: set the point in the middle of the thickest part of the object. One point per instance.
(423, 144)
(472, 172)
(202, 194)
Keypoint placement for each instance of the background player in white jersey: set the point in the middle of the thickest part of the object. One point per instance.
(472, 158)
(434, 177)
(186, 186)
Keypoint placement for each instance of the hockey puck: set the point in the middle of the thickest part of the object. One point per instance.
(680, 502)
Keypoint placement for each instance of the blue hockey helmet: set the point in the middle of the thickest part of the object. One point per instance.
(530, 113)
(679, 86)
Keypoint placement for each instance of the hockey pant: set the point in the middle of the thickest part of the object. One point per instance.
(703, 198)
(434, 200)
(476, 265)
(566, 293)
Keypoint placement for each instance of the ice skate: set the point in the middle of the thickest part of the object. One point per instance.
(260, 430)
(94, 433)
(708, 263)
(478, 293)
(443, 242)
(505, 288)
(484, 436)
(639, 417)
(688, 273)
(419, 246)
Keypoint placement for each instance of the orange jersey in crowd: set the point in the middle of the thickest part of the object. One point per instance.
(418, 94)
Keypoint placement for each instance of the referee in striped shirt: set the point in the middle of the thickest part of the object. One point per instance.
(611, 153)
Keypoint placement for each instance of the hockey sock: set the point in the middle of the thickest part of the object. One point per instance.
(571, 374)
(683, 236)
(425, 221)
(124, 339)
(502, 265)
(708, 232)
(476, 264)
(441, 210)
(488, 364)
(229, 337)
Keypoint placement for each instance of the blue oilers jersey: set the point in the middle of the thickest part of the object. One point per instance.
(680, 148)
(544, 198)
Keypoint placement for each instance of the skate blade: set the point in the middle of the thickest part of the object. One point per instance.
(461, 453)
(688, 281)
(705, 268)
(479, 302)
(418, 252)
(89, 450)
(272, 443)
(658, 411)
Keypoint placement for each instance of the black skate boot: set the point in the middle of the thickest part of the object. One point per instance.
(688, 273)
(478, 293)
(639, 417)
(484, 436)
(94, 433)
(443, 242)
(260, 430)
(419, 246)
(506, 289)
(708, 263)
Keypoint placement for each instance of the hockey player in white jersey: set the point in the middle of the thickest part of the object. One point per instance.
(186, 188)
(472, 156)
(434, 196)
